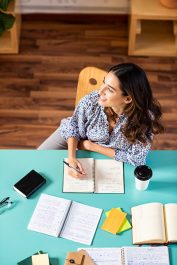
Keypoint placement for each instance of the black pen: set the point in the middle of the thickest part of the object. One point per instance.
(4, 200)
(72, 167)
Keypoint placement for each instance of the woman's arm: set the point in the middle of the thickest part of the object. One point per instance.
(72, 145)
(90, 146)
(135, 154)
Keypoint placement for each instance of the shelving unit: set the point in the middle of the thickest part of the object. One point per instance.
(153, 29)
(9, 41)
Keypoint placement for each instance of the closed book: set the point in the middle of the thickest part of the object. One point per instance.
(29, 183)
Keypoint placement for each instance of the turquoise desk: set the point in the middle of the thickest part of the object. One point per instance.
(17, 243)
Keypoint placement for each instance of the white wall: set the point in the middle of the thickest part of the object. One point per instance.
(76, 6)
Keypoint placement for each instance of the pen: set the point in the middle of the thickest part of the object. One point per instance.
(72, 167)
(4, 200)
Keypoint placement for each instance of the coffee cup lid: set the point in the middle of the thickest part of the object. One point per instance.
(143, 172)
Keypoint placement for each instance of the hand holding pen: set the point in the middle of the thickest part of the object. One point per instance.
(75, 169)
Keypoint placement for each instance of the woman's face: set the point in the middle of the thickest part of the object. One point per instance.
(110, 93)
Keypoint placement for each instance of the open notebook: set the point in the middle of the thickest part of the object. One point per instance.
(102, 176)
(129, 256)
(64, 218)
(154, 223)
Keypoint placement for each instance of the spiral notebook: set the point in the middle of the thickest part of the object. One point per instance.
(129, 255)
(64, 218)
(102, 176)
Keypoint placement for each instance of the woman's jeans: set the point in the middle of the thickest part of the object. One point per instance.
(54, 142)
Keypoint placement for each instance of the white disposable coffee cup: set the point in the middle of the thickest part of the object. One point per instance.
(143, 175)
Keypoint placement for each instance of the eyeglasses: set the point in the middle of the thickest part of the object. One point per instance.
(5, 203)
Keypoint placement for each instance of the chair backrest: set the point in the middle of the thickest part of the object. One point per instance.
(90, 79)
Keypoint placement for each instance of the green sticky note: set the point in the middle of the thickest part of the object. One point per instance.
(125, 226)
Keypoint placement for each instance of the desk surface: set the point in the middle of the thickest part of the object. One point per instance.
(17, 243)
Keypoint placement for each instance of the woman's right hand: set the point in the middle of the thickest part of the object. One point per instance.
(77, 165)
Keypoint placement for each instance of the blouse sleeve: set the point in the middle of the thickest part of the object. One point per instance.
(75, 126)
(135, 155)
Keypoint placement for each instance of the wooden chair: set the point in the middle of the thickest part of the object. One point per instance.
(90, 79)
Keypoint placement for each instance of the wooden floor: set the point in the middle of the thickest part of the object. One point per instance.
(38, 86)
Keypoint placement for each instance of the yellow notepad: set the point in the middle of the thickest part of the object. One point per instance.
(40, 259)
(114, 221)
(125, 226)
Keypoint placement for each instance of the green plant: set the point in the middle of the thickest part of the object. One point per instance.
(6, 20)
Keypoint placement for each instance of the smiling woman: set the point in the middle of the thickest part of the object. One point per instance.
(119, 120)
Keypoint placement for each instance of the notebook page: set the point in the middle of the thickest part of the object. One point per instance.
(86, 184)
(148, 223)
(109, 176)
(105, 256)
(81, 223)
(49, 215)
(146, 256)
(171, 221)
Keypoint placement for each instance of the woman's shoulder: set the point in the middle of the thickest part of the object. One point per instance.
(91, 98)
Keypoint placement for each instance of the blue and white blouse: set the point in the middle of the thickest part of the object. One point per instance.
(89, 121)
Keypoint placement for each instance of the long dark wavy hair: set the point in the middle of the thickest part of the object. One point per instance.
(144, 112)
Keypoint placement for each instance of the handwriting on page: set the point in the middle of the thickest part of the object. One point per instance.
(86, 184)
(49, 215)
(105, 256)
(109, 176)
(81, 223)
(147, 256)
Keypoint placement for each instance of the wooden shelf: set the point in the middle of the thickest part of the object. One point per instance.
(9, 41)
(154, 31)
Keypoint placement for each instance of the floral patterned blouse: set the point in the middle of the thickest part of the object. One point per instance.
(89, 121)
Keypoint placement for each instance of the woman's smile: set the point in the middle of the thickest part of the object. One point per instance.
(102, 99)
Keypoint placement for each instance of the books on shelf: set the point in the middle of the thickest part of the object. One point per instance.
(129, 255)
(102, 176)
(154, 223)
(64, 218)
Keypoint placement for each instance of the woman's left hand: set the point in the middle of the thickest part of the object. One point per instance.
(84, 145)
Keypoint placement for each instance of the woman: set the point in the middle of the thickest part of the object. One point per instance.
(118, 121)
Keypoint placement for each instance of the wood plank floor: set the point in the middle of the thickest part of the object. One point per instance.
(38, 86)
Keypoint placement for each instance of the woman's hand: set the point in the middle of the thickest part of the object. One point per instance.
(85, 145)
(79, 172)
